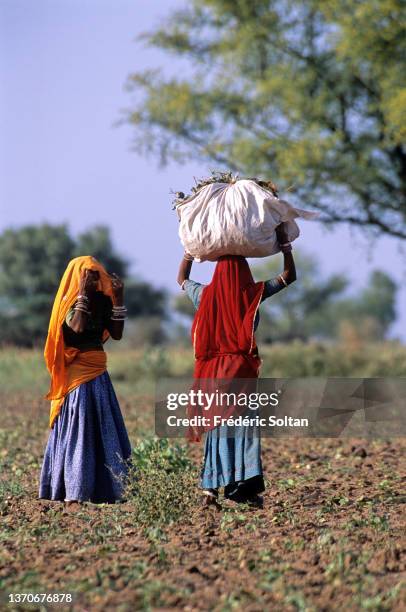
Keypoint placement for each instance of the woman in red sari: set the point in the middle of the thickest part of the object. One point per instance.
(224, 344)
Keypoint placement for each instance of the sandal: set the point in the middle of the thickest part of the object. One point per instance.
(238, 493)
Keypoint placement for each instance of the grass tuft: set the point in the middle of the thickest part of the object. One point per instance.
(162, 482)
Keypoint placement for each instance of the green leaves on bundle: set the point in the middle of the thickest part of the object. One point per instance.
(218, 176)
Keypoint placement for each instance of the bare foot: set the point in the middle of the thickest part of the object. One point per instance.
(211, 502)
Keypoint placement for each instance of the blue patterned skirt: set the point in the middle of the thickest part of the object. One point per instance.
(86, 457)
(233, 455)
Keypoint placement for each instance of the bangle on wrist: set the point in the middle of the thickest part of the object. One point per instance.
(118, 313)
(81, 309)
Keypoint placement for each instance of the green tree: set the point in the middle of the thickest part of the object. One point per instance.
(376, 305)
(32, 261)
(307, 93)
(144, 300)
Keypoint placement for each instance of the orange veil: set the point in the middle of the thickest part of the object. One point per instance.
(67, 366)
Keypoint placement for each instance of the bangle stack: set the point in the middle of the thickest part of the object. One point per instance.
(285, 248)
(82, 304)
(119, 313)
(283, 280)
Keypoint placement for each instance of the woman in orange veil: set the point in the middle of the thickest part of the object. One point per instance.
(88, 447)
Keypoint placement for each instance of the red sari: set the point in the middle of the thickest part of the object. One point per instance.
(223, 330)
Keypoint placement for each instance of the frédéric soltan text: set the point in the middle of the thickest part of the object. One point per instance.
(237, 421)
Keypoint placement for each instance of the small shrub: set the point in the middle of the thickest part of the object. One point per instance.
(162, 482)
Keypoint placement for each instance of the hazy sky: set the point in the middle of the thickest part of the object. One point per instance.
(63, 67)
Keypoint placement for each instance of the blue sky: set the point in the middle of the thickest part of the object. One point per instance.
(62, 158)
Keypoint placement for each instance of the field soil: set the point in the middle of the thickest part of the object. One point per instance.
(331, 534)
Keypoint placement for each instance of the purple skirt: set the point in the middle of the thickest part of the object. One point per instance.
(87, 454)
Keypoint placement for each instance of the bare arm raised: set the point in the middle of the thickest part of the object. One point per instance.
(288, 275)
(185, 268)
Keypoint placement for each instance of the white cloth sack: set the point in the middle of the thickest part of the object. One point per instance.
(235, 219)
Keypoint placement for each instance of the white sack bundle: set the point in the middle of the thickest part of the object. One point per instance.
(235, 219)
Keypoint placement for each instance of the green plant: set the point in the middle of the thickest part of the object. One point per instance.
(9, 489)
(162, 482)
